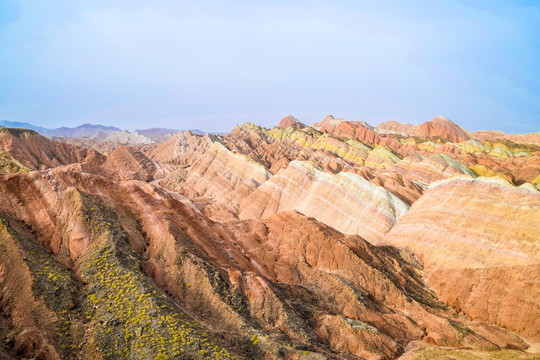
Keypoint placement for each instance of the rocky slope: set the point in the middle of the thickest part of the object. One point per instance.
(114, 260)
(531, 138)
(329, 241)
(36, 152)
(290, 121)
(477, 240)
(394, 127)
(364, 209)
(182, 148)
(441, 127)
(127, 138)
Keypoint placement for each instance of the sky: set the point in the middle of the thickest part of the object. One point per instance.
(214, 64)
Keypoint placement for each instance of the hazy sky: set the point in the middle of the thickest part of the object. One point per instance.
(213, 64)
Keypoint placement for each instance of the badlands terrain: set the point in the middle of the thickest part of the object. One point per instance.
(337, 240)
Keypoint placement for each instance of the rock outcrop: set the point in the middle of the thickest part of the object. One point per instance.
(290, 121)
(222, 176)
(328, 124)
(394, 127)
(113, 261)
(363, 208)
(441, 127)
(478, 242)
(296, 242)
(37, 152)
(531, 138)
(183, 148)
(127, 138)
(432, 168)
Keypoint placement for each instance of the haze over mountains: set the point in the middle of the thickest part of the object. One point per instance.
(99, 132)
(336, 240)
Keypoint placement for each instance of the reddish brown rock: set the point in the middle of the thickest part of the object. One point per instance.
(432, 168)
(441, 127)
(394, 127)
(354, 130)
(293, 277)
(126, 163)
(275, 284)
(183, 148)
(37, 152)
(531, 138)
(478, 242)
(328, 124)
(290, 121)
(221, 175)
(251, 140)
(364, 208)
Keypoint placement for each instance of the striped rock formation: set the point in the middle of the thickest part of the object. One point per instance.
(441, 127)
(432, 168)
(363, 208)
(106, 264)
(531, 138)
(290, 121)
(183, 148)
(222, 176)
(37, 152)
(478, 241)
(394, 127)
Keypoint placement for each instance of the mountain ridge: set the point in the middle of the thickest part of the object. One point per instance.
(291, 242)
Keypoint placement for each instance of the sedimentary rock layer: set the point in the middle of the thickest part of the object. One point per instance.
(443, 128)
(287, 286)
(344, 201)
(37, 152)
(479, 241)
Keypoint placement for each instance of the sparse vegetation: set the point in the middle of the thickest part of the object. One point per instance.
(132, 317)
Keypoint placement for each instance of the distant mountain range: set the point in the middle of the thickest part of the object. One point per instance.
(99, 132)
(84, 130)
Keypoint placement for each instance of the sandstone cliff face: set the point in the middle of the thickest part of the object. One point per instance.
(364, 208)
(220, 175)
(394, 127)
(354, 130)
(531, 138)
(434, 167)
(253, 141)
(126, 163)
(290, 121)
(357, 130)
(253, 287)
(478, 242)
(36, 152)
(236, 246)
(328, 124)
(182, 148)
(443, 128)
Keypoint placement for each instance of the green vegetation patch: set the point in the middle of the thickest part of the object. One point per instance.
(9, 165)
(53, 284)
(130, 315)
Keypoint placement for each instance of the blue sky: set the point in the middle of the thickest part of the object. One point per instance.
(213, 64)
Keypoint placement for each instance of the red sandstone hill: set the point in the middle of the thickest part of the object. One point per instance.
(290, 121)
(354, 129)
(37, 152)
(394, 127)
(438, 128)
(287, 277)
(297, 242)
(531, 138)
(441, 127)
